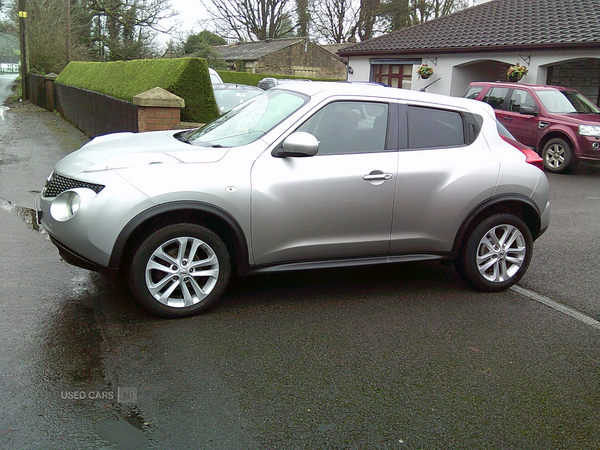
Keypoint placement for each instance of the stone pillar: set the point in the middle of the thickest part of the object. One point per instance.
(49, 88)
(158, 110)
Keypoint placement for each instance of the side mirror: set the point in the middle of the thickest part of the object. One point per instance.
(529, 110)
(299, 144)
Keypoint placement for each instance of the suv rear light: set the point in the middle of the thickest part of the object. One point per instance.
(531, 157)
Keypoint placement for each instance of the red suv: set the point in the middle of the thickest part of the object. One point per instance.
(559, 123)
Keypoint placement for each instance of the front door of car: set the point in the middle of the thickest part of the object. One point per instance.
(336, 204)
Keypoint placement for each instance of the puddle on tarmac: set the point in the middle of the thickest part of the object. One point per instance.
(127, 433)
(28, 215)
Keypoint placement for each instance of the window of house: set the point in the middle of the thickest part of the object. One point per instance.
(349, 127)
(434, 128)
(394, 75)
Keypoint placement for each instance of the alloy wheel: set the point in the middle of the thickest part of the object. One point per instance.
(501, 253)
(182, 272)
(555, 156)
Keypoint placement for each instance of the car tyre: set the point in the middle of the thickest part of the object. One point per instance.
(557, 155)
(179, 270)
(496, 254)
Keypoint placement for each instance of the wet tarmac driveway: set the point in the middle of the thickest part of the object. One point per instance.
(404, 357)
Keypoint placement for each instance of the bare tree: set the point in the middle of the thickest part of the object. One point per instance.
(400, 14)
(46, 50)
(125, 29)
(367, 19)
(250, 20)
(334, 20)
(304, 17)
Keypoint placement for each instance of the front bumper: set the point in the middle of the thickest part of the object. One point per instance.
(71, 257)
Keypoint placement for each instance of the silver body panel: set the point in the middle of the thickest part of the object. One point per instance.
(294, 209)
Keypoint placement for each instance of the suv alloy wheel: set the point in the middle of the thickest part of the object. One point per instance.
(557, 156)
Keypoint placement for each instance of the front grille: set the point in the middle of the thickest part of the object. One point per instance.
(58, 184)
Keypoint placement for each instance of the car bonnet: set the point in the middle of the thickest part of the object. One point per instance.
(120, 150)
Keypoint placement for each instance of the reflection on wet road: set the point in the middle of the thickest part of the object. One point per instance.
(401, 357)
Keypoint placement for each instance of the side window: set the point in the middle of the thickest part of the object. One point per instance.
(473, 92)
(496, 96)
(519, 99)
(349, 127)
(434, 128)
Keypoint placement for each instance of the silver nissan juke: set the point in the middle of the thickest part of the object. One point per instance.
(302, 176)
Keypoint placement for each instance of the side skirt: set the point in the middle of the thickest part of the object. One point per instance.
(340, 263)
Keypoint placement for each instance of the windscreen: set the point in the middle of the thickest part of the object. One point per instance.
(249, 121)
(566, 102)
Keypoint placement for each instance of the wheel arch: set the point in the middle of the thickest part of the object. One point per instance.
(517, 205)
(214, 218)
(556, 133)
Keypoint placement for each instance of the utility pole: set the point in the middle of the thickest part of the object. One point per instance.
(24, 74)
(68, 24)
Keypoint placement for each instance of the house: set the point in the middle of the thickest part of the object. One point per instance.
(9, 64)
(9, 54)
(557, 40)
(292, 57)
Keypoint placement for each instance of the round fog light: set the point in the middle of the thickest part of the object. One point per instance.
(65, 206)
(596, 145)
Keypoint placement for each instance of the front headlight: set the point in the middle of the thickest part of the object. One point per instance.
(589, 130)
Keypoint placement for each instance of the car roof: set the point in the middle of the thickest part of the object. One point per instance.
(537, 87)
(375, 90)
(223, 86)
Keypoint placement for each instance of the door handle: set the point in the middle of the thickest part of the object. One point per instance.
(377, 175)
(507, 118)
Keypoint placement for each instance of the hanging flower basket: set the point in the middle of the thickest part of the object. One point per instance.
(515, 73)
(425, 71)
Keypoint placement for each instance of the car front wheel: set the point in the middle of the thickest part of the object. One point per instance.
(179, 270)
(557, 155)
(496, 254)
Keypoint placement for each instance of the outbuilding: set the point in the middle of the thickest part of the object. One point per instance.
(291, 57)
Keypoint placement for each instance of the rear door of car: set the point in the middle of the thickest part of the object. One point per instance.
(445, 169)
(519, 115)
(336, 204)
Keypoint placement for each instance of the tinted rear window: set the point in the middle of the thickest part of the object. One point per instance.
(434, 128)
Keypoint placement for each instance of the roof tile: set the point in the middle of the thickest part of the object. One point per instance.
(496, 24)
(250, 51)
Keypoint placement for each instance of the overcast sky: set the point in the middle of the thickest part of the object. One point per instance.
(191, 11)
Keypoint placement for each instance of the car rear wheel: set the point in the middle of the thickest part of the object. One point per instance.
(557, 155)
(179, 270)
(496, 254)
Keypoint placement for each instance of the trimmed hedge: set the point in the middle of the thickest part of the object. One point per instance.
(252, 79)
(185, 77)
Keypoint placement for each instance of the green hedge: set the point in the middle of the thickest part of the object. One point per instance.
(253, 78)
(185, 77)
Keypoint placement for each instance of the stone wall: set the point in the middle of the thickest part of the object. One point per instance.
(304, 61)
(581, 74)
